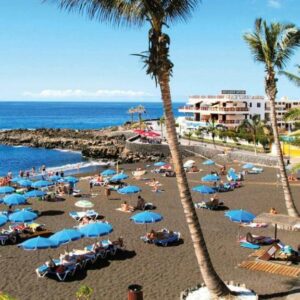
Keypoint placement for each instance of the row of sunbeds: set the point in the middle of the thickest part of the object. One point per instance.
(75, 260)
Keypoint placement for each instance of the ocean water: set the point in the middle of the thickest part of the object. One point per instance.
(72, 115)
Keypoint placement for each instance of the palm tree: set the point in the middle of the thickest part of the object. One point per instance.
(212, 129)
(255, 128)
(189, 135)
(131, 111)
(161, 122)
(158, 13)
(140, 109)
(272, 45)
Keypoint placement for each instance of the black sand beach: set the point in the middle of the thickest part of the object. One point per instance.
(162, 271)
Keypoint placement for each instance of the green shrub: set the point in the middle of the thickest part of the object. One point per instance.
(84, 292)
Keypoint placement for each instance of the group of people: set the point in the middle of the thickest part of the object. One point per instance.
(140, 205)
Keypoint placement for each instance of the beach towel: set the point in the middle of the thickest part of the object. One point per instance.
(249, 245)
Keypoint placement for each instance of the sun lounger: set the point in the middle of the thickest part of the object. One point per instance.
(259, 240)
(138, 174)
(213, 204)
(167, 237)
(7, 236)
(60, 271)
(88, 256)
(77, 215)
(42, 270)
(255, 170)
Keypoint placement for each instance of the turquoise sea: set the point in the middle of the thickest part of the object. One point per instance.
(73, 115)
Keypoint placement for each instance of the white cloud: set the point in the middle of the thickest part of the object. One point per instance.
(77, 93)
(274, 3)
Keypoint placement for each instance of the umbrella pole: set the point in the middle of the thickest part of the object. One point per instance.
(275, 233)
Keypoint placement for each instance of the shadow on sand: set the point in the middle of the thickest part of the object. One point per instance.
(52, 212)
(122, 255)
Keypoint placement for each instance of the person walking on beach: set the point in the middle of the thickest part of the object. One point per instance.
(91, 186)
(62, 174)
(107, 192)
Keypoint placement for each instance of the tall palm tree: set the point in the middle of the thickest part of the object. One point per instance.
(272, 45)
(158, 13)
(255, 127)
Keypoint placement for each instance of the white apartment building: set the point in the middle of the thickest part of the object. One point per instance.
(230, 108)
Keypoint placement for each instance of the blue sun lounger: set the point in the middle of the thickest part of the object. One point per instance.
(44, 270)
(170, 237)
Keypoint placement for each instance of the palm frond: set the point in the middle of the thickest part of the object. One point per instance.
(292, 77)
(273, 44)
(292, 115)
(179, 9)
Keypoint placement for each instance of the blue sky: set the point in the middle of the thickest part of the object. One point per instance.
(48, 54)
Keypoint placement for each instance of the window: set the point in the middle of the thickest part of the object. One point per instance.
(250, 104)
(258, 104)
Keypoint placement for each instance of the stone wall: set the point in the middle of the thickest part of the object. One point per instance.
(208, 152)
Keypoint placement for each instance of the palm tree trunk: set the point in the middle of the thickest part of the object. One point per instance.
(140, 120)
(271, 91)
(209, 275)
(254, 142)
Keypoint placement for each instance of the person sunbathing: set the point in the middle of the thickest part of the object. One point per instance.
(153, 182)
(84, 221)
(215, 197)
(67, 260)
(126, 207)
(273, 211)
(155, 235)
(193, 169)
(292, 178)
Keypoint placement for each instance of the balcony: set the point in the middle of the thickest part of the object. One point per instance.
(213, 109)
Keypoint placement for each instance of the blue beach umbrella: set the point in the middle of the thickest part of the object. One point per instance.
(210, 178)
(3, 219)
(119, 177)
(204, 189)
(69, 179)
(240, 216)
(22, 216)
(6, 189)
(55, 178)
(108, 172)
(248, 166)
(65, 236)
(16, 179)
(35, 194)
(160, 164)
(14, 199)
(209, 162)
(95, 230)
(146, 217)
(130, 189)
(38, 243)
(24, 183)
(233, 175)
(41, 184)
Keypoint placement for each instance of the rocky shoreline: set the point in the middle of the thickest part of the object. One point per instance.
(98, 144)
